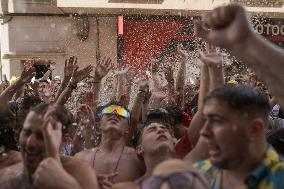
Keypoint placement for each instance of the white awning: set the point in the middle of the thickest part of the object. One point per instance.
(272, 8)
(35, 55)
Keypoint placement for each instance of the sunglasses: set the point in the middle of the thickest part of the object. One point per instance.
(180, 180)
(121, 111)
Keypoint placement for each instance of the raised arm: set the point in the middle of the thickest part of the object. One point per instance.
(70, 65)
(197, 121)
(126, 76)
(77, 76)
(27, 74)
(141, 98)
(87, 118)
(169, 76)
(157, 95)
(180, 81)
(214, 62)
(211, 78)
(230, 28)
(102, 69)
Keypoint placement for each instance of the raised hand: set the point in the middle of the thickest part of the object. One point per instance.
(211, 57)
(159, 95)
(86, 114)
(69, 66)
(103, 68)
(155, 66)
(79, 75)
(144, 89)
(52, 133)
(168, 71)
(123, 70)
(143, 85)
(35, 86)
(105, 180)
(226, 26)
(28, 73)
(181, 55)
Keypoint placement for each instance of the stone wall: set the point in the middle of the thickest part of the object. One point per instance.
(54, 38)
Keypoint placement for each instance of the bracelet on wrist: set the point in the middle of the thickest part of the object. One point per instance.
(146, 101)
(72, 86)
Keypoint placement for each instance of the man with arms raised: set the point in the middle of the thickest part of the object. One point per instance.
(112, 159)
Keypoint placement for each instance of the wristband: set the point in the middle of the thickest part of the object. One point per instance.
(72, 86)
(146, 101)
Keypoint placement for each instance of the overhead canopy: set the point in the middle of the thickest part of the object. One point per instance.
(271, 8)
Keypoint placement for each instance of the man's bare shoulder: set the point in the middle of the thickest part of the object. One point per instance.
(73, 163)
(69, 160)
(129, 151)
(11, 171)
(86, 154)
(126, 185)
(81, 171)
(11, 177)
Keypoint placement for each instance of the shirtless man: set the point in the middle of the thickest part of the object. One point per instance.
(42, 167)
(156, 145)
(112, 160)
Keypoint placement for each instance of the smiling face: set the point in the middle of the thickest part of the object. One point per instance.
(225, 133)
(32, 142)
(156, 138)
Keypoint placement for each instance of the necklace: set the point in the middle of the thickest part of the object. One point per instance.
(116, 165)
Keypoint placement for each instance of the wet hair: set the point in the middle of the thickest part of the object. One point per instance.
(176, 114)
(159, 115)
(61, 114)
(276, 139)
(243, 99)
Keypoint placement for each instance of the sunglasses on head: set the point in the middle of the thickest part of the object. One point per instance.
(179, 180)
(119, 110)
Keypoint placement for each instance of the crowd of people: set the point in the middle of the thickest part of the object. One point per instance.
(220, 132)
